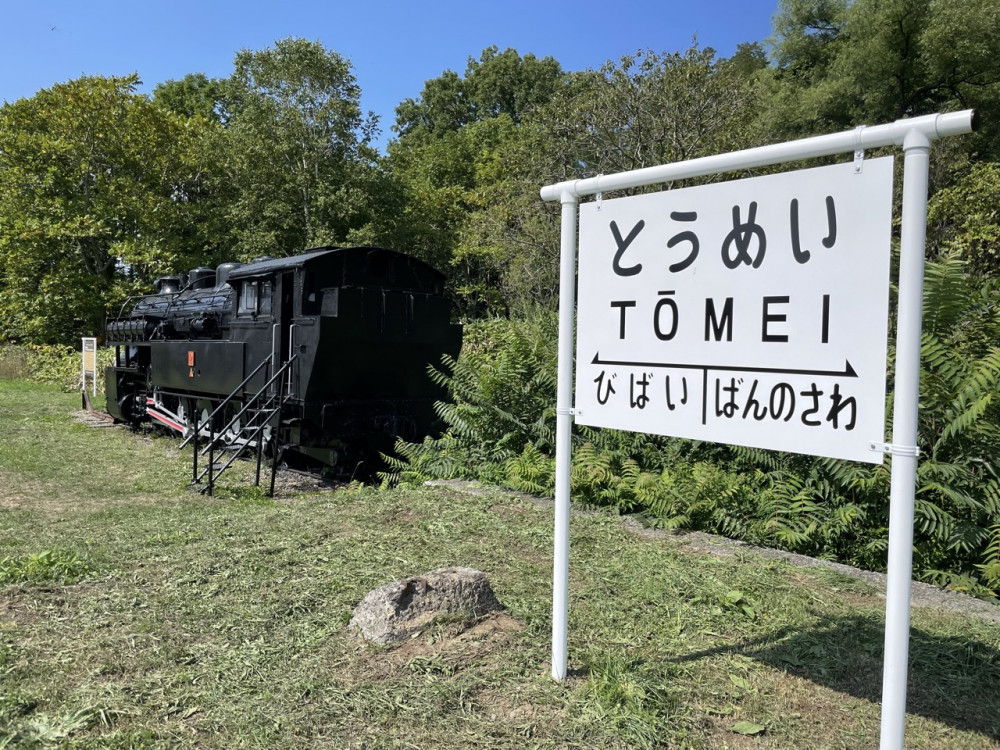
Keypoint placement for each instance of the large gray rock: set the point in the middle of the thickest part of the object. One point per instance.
(395, 611)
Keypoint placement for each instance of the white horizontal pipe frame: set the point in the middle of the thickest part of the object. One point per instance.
(914, 135)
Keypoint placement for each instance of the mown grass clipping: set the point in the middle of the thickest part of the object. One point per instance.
(134, 613)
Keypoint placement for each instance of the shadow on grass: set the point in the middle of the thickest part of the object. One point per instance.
(951, 680)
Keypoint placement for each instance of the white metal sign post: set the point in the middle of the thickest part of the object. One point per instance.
(680, 285)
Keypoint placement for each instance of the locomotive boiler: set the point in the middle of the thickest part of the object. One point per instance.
(321, 358)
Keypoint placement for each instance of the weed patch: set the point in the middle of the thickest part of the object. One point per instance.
(50, 364)
(14, 363)
(50, 566)
(248, 496)
(637, 698)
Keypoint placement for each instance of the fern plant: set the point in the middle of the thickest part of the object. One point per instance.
(501, 400)
(956, 503)
(501, 428)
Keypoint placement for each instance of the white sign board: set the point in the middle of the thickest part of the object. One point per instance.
(751, 312)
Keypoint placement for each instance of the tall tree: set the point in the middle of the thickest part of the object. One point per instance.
(446, 157)
(101, 191)
(498, 83)
(505, 83)
(297, 148)
(193, 95)
(640, 111)
(840, 64)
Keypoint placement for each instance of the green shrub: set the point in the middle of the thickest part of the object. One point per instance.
(502, 391)
(965, 217)
(50, 363)
(844, 505)
(502, 427)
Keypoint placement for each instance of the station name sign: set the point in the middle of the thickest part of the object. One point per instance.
(752, 312)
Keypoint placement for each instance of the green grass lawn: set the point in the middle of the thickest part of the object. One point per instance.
(134, 613)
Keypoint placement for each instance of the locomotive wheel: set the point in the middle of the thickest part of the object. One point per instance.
(184, 416)
(234, 432)
(205, 409)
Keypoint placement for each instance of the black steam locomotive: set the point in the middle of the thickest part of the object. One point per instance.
(321, 357)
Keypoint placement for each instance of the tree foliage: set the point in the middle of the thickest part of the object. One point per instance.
(194, 95)
(642, 110)
(101, 191)
(840, 63)
(107, 189)
(965, 218)
(450, 155)
(498, 83)
(295, 150)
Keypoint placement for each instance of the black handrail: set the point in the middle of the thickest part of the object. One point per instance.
(257, 429)
(261, 395)
(277, 427)
(229, 398)
(228, 463)
(252, 400)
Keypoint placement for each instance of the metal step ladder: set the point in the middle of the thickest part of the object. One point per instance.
(246, 430)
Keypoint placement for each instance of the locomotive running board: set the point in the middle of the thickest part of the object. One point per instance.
(164, 419)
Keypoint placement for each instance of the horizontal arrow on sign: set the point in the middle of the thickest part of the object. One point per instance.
(847, 372)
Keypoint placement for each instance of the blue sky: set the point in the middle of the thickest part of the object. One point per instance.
(393, 46)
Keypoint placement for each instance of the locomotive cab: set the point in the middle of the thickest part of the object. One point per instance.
(363, 325)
